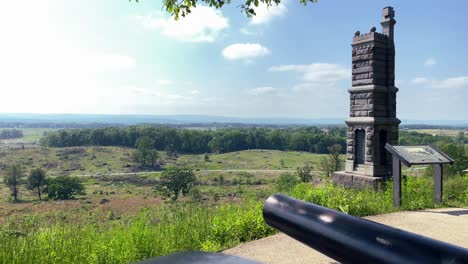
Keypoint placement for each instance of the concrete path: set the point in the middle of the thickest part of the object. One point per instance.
(446, 224)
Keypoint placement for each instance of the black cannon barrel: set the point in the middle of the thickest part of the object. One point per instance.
(350, 239)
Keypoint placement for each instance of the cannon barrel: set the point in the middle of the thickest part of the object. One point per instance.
(350, 239)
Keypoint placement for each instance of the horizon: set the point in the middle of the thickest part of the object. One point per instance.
(126, 58)
(135, 119)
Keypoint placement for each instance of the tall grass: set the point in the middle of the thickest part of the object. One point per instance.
(417, 193)
(157, 232)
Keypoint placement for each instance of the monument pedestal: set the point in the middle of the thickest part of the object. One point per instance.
(356, 181)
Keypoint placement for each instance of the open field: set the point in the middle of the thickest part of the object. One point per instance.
(251, 159)
(111, 176)
(103, 160)
(31, 137)
(440, 132)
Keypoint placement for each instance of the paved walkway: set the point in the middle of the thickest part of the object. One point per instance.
(446, 224)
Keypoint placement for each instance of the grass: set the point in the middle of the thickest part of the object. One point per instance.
(69, 161)
(438, 132)
(31, 137)
(102, 160)
(170, 228)
(250, 159)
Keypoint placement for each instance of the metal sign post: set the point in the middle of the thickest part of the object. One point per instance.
(418, 155)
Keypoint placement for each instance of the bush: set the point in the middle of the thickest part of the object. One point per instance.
(286, 182)
(64, 187)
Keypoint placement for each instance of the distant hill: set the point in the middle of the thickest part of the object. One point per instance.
(194, 119)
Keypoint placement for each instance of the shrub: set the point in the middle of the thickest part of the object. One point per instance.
(304, 173)
(64, 187)
(286, 182)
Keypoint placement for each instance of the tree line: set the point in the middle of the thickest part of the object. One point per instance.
(11, 133)
(311, 139)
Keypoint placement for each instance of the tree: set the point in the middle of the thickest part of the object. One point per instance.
(176, 181)
(207, 157)
(304, 173)
(13, 180)
(37, 181)
(458, 154)
(461, 137)
(184, 7)
(145, 153)
(64, 187)
(331, 163)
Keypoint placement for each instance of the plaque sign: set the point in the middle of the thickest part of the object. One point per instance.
(417, 155)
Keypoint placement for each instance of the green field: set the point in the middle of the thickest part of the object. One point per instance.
(440, 132)
(31, 137)
(250, 159)
(102, 160)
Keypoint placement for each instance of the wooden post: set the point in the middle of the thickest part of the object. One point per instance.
(396, 182)
(438, 178)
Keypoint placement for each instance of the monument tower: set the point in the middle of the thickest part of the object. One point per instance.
(372, 120)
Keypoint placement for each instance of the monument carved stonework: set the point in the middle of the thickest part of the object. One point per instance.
(372, 119)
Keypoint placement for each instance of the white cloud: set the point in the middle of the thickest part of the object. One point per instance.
(265, 13)
(317, 72)
(449, 83)
(267, 90)
(430, 62)
(244, 51)
(203, 24)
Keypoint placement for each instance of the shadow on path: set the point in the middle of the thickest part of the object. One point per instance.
(454, 212)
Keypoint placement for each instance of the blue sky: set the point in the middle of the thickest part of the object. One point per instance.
(121, 57)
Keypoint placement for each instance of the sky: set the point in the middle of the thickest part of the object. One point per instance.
(289, 61)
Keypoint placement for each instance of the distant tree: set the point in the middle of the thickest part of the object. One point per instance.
(64, 187)
(457, 153)
(176, 181)
(331, 163)
(37, 181)
(304, 173)
(13, 180)
(171, 151)
(207, 157)
(145, 153)
(461, 137)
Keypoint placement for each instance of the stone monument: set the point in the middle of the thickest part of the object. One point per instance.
(372, 121)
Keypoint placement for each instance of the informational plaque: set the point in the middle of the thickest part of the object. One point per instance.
(419, 155)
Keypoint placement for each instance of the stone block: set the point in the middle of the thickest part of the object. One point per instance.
(343, 179)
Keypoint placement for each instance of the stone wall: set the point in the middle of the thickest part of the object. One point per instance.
(372, 104)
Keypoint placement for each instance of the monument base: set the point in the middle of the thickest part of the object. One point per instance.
(357, 181)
